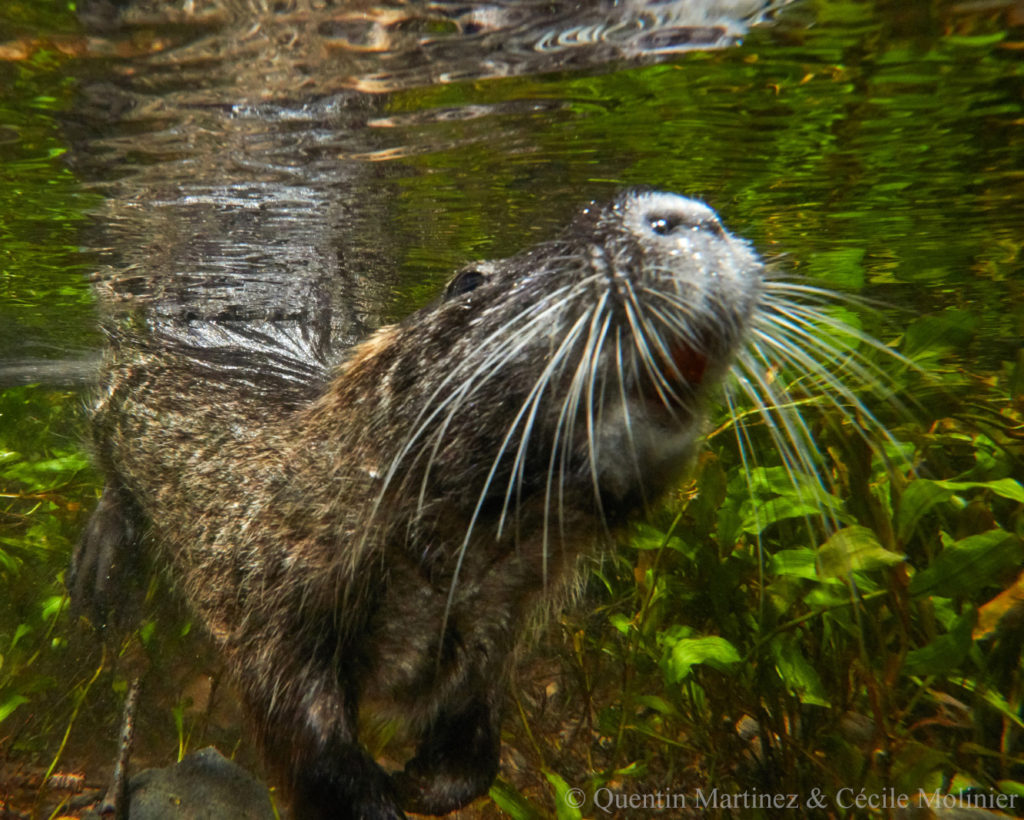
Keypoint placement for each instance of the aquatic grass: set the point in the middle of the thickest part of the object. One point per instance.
(45, 486)
(750, 653)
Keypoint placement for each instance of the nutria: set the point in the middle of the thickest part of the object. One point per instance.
(380, 542)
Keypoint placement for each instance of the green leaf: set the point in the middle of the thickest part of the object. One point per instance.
(918, 498)
(854, 548)
(42, 475)
(568, 800)
(146, 632)
(646, 537)
(766, 481)
(1005, 487)
(800, 563)
(68, 463)
(990, 461)
(656, 703)
(760, 516)
(1012, 787)
(844, 267)
(796, 671)
(620, 622)
(1000, 704)
(52, 606)
(827, 597)
(976, 40)
(951, 329)
(946, 652)
(686, 653)
(776, 494)
(20, 632)
(969, 564)
(511, 802)
(920, 766)
(8, 563)
(9, 705)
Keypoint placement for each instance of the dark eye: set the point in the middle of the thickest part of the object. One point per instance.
(665, 224)
(464, 282)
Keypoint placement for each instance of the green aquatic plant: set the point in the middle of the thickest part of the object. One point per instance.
(45, 485)
(769, 633)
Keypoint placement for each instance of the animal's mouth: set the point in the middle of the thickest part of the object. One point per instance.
(677, 374)
(687, 364)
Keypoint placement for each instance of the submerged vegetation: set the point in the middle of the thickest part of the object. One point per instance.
(46, 487)
(738, 646)
(739, 640)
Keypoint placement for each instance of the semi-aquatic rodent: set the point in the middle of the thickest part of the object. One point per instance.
(383, 539)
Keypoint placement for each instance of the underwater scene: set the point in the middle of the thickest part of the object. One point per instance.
(810, 604)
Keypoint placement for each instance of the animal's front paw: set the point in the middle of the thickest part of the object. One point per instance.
(106, 573)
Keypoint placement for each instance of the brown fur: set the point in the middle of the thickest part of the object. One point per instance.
(387, 540)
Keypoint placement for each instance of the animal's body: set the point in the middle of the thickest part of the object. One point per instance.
(383, 538)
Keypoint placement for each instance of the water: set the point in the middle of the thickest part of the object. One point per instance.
(330, 168)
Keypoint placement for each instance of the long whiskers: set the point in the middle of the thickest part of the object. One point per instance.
(528, 407)
(785, 336)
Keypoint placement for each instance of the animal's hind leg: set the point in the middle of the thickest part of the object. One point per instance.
(457, 759)
(106, 578)
(339, 781)
(308, 735)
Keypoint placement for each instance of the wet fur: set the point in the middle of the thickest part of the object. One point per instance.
(384, 538)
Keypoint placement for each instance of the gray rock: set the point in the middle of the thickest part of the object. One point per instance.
(203, 786)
